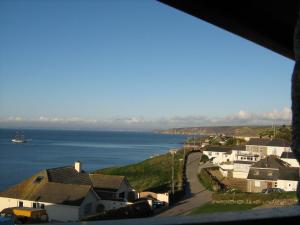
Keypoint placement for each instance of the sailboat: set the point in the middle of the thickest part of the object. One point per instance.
(19, 139)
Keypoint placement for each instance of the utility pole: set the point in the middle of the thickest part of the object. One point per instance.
(173, 152)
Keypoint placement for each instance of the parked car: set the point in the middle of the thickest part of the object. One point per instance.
(25, 215)
(272, 190)
(158, 204)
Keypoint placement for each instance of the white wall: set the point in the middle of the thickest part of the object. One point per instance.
(275, 150)
(238, 174)
(287, 185)
(55, 212)
(108, 205)
(92, 199)
(292, 162)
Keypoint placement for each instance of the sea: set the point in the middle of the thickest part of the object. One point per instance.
(94, 149)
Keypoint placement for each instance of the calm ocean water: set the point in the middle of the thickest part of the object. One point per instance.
(95, 149)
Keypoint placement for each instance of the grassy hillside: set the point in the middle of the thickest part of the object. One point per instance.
(242, 131)
(153, 174)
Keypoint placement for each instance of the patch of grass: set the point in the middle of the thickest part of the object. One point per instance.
(153, 174)
(213, 208)
(205, 182)
(250, 197)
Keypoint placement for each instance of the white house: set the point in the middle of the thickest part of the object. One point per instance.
(290, 158)
(272, 172)
(68, 194)
(277, 147)
(265, 147)
(218, 154)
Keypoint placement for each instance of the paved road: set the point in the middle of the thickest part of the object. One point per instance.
(195, 195)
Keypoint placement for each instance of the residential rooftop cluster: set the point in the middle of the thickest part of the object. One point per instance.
(263, 163)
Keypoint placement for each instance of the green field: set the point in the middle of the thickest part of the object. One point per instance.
(153, 174)
(213, 208)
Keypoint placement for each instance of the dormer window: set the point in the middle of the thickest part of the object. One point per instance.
(38, 179)
(270, 173)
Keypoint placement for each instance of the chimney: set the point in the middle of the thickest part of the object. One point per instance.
(77, 166)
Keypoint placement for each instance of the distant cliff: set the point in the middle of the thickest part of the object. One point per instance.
(242, 131)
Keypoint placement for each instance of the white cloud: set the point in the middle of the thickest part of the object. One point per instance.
(240, 118)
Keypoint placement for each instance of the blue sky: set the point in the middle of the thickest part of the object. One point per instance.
(131, 65)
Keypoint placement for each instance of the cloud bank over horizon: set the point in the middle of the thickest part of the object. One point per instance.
(140, 123)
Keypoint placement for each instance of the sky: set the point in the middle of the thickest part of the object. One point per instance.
(132, 65)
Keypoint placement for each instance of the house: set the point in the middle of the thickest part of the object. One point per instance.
(265, 147)
(272, 172)
(277, 146)
(258, 146)
(68, 193)
(290, 158)
(218, 154)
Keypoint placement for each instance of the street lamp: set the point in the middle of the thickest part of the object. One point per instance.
(173, 152)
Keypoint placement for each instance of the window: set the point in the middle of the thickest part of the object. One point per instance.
(42, 206)
(270, 173)
(38, 179)
(34, 205)
(256, 172)
(122, 195)
(275, 184)
(20, 204)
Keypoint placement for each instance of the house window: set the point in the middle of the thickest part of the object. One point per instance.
(38, 179)
(275, 184)
(270, 173)
(20, 204)
(122, 195)
(42, 206)
(257, 183)
(34, 205)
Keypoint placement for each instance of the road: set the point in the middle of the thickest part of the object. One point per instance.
(196, 195)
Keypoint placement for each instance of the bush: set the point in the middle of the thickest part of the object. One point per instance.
(204, 158)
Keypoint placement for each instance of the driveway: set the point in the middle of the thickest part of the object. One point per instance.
(196, 195)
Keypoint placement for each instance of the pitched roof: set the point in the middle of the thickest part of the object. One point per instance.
(263, 174)
(270, 162)
(239, 147)
(106, 181)
(68, 175)
(291, 173)
(258, 141)
(63, 185)
(44, 191)
(288, 155)
(284, 173)
(218, 149)
(279, 143)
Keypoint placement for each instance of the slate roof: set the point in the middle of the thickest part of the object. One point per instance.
(239, 147)
(63, 185)
(291, 173)
(268, 142)
(44, 191)
(258, 141)
(102, 181)
(271, 162)
(288, 155)
(273, 168)
(263, 174)
(218, 149)
(279, 143)
(68, 175)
